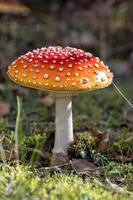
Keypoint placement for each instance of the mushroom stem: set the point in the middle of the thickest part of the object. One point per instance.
(64, 124)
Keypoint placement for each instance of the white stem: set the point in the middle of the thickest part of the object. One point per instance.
(64, 124)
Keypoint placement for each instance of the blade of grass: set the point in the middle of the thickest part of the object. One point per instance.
(16, 133)
(124, 97)
(2, 152)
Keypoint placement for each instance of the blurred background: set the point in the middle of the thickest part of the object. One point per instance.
(103, 27)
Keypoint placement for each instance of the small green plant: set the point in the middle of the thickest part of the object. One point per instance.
(79, 146)
(84, 147)
(32, 148)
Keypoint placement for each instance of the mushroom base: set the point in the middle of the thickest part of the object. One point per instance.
(64, 124)
(59, 159)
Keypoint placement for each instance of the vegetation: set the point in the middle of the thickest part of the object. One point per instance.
(22, 183)
(100, 165)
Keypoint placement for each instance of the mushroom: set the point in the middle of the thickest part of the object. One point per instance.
(64, 72)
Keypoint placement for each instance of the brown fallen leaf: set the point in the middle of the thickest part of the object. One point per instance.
(4, 108)
(101, 140)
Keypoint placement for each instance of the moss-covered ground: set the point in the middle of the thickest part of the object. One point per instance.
(22, 183)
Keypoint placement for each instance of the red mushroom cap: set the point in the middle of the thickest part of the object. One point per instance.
(60, 69)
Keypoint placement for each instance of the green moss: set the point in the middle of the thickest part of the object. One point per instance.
(22, 183)
(81, 141)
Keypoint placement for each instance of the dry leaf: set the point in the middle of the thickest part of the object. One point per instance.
(101, 140)
(4, 108)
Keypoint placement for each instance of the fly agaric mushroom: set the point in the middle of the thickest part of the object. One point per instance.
(64, 72)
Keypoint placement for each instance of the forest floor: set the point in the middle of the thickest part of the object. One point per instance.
(100, 165)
